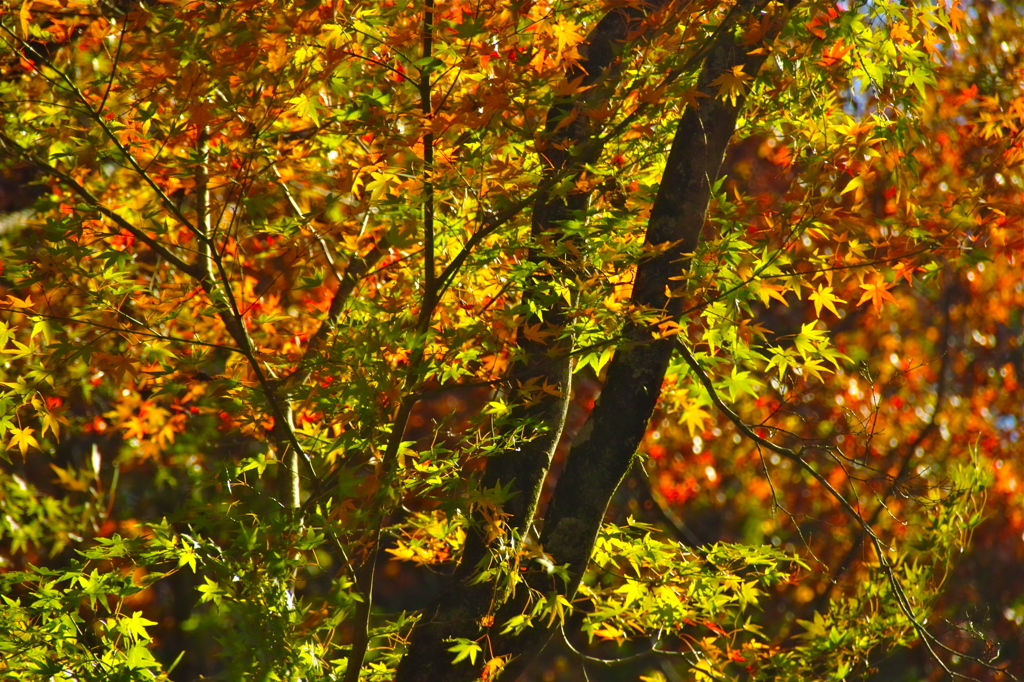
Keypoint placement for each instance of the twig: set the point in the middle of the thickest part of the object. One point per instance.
(902, 600)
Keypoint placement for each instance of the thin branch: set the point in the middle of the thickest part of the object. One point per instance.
(96, 205)
(903, 601)
(426, 111)
(358, 268)
(361, 621)
(113, 65)
(120, 330)
(609, 662)
(293, 202)
(97, 118)
(844, 564)
(361, 617)
(229, 312)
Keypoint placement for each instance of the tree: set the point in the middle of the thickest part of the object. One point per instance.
(314, 291)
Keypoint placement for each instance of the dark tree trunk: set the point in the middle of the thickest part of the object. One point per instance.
(604, 449)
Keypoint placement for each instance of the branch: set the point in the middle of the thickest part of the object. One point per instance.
(113, 65)
(121, 330)
(844, 564)
(229, 313)
(158, 248)
(98, 119)
(605, 447)
(545, 359)
(358, 267)
(426, 110)
(903, 602)
(361, 618)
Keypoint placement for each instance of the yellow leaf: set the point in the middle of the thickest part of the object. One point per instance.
(856, 183)
(68, 480)
(769, 291)
(402, 552)
(566, 33)
(732, 84)
(667, 329)
(24, 16)
(22, 439)
(306, 106)
(814, 368)
(705, 671)
(493, 667)
(695, 418)
(551, 389)
(824, 297)
(566, 88)
(52, 422)
(135, 427)
(533, 332)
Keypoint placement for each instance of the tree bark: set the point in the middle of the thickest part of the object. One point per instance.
(604, 449)
(521, 470)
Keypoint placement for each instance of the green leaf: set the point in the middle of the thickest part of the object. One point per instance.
(463, 649)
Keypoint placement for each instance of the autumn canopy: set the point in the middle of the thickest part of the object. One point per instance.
(446, 340)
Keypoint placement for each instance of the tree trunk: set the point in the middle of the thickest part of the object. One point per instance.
(605, 447)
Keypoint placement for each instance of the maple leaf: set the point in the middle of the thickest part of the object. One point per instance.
(667, 329)
(824, 297)
(566, 34)
(570, 87)
(322, 156)
(918, 77)
(740, 382)
(732, 84)
(769, 291)
(814, 368)
(833, 54)
(67, 479)
(135, 427)
(533, 332)
(17, 303)
(307, 107)
(876, 291)
(403, 552)
(899, 33)
(815, 26)
(22, 439)
(809, 340)
(609, 631)
(633, 591)
(492, 667)
(52, 422)
(695, 418)
(690, 97)
(904, 271)
(117, 365)
(964, 96)
(955, 16)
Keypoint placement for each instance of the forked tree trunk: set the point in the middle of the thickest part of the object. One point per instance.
(605, 447)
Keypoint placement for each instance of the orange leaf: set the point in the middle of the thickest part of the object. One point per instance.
(833, 54)
(876, 291)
